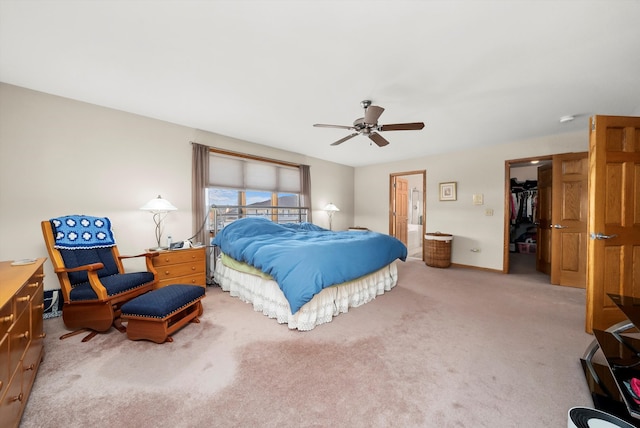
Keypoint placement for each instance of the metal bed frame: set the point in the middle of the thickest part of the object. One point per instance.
(221, 215)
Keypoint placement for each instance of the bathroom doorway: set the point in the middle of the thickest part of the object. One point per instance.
(407, 208)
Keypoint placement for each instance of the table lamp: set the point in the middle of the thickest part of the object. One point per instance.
(330, 209)
(159, 207)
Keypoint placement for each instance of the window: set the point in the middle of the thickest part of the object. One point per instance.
(241, 186)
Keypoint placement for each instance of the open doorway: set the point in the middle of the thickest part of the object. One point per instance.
(526, 202)
(551, 238)
(407, 206)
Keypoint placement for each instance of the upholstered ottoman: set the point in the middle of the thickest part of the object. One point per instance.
(159, 313)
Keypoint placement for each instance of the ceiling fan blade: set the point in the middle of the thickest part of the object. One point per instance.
(322, 125)
(372, 113)
(378, 139)
(342, 140)
(402, 126)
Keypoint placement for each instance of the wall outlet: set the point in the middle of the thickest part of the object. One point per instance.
(488, 212)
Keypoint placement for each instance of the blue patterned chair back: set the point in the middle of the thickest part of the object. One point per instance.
(84, 240)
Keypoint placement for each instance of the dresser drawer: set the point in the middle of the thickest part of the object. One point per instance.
(4, 363)
(177, 257)
(30, 364)
(12, 399)
(23, 297)
(19, 337)
(37, 321)
(7, 317)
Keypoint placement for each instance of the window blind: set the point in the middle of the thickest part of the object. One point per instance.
(249, 174)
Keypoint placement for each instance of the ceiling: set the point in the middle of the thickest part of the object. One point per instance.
(476, 72)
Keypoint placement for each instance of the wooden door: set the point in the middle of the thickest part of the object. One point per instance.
(614, 217)
(401, 209)
(543, 219)
(569, 210)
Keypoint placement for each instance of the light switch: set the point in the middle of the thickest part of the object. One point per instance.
(478, 199)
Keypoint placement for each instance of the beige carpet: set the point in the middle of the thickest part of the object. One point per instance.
(445, 348)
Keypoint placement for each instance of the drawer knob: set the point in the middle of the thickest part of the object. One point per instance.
(40, 306)
(18, 397)
(30, 367)
(193, 268)
(43, 335)
(166, 272)
(24, 335)
(24, 299)
(8, 318)
(34, 285)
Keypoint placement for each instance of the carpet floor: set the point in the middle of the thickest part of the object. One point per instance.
(445, 348)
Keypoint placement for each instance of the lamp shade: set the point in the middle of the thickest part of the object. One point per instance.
(158, 205)
(331, 207)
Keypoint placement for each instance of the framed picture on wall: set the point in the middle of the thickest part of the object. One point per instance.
(448, 191)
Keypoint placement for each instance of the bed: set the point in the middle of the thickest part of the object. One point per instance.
(301, 274)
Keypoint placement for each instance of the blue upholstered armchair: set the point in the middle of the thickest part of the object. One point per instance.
(92, 278)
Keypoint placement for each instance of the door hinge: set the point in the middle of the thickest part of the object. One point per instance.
(593, 125)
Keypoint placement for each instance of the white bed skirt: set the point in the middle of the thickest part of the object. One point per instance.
(266, 296)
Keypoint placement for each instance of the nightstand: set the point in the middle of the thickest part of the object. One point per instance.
(186, 266)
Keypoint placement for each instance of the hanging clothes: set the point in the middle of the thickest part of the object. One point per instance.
(524, 201)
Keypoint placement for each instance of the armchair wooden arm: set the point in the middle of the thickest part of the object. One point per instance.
(92, 273)
(89, 267)
(148, 260)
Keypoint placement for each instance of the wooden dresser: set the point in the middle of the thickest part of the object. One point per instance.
(186, 266)
(21, 336)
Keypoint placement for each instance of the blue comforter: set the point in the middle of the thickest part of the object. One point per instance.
(304, 258)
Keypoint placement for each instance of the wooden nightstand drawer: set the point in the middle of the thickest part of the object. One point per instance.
(181, 267)
(178, 256)
(198, 279)
(174, 271)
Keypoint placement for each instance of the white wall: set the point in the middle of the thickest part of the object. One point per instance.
(60, 157)
(480, 170)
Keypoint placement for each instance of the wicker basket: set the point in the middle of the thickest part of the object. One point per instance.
(438, 249)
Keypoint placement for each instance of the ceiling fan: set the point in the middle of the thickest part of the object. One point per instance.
(368, 125)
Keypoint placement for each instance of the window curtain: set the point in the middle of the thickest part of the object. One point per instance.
(305, 186)
(199, 181)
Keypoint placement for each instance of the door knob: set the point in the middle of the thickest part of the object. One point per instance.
(602, 236)
(558, 226)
